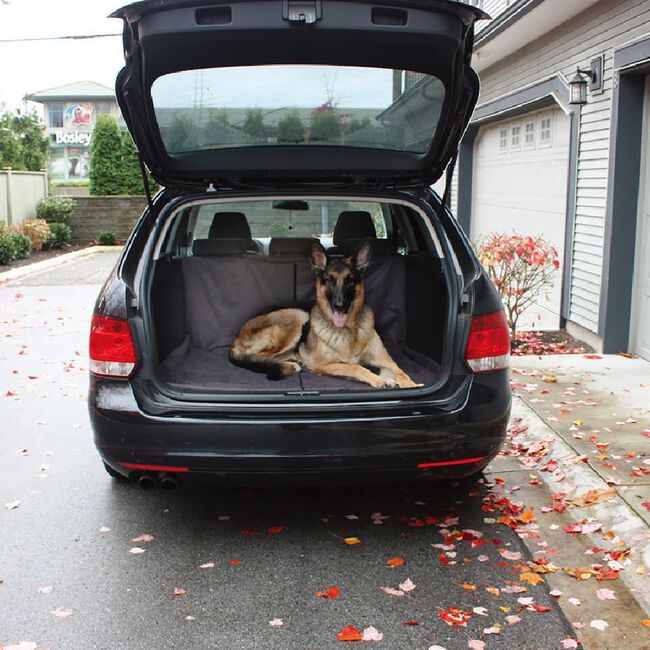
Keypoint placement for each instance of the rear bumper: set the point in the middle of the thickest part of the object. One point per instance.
(262, 450)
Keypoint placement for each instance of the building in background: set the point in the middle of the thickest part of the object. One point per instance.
(533, 163)
(70, 114)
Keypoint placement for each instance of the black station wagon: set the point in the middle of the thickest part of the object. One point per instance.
(271, 124)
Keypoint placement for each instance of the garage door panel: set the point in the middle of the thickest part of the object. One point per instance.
(521, 188)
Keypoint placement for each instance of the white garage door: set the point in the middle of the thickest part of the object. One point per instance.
(640, 324)
(520, 185)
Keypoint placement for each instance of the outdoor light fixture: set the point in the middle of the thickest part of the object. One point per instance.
(593, 78)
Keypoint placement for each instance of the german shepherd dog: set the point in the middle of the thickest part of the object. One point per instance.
(337, 337)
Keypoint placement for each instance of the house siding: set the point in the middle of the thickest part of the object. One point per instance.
(597, 31)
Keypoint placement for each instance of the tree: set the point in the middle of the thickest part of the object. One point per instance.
(325, 124)
(106, 173)
(182, 135)
(291, 129)
(132, 182)
(23, 141)
(254, 124)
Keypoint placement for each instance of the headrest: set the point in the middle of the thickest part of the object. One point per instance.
(230, 225)
(290, 246)
(379, 247)
(215, 247)
(353, 225)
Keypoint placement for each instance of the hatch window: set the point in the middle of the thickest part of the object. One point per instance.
(297, 105)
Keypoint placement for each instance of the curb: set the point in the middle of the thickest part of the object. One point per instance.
(615, 515)
(28, 269)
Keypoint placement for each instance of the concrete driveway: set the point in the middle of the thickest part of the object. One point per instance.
(88, 562)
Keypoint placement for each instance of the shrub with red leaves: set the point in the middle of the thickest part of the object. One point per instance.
(522, 269)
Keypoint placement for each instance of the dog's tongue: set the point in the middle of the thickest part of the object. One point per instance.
(339, 318)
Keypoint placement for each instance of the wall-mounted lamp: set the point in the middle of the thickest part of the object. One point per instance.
(592, 78)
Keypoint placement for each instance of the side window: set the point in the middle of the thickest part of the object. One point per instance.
(515, 136)
(55, 115)
(529, 134)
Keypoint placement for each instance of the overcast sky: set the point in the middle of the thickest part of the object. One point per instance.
(30, 67)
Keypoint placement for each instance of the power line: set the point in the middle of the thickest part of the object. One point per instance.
(79, 37)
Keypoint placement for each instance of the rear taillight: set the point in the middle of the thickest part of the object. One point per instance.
(112, 353)
(488, 347)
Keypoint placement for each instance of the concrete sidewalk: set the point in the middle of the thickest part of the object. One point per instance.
(580, 432)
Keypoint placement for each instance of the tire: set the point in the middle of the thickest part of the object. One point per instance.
(112, 473)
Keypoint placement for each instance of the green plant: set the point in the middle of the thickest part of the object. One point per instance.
(55, 209)
(325, 124)
(278, 230)
(22, 245)
(24, 143)
(254, 124)
(521, 268)
(106, 238)
(7, 246)
(181, 135)
(38, 231)
(131, 173)
(106, 173)
(291, 129)
(60, 234)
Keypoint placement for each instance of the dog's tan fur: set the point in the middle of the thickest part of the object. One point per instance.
(275, 338)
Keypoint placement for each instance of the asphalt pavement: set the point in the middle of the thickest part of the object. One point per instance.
(90, 562)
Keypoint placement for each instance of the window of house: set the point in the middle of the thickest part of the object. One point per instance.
(55, 115)
(529, 134)
(515, 136)
(546, 130)
(104, 108)
(503, 139)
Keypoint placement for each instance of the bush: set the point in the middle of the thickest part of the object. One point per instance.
(106, 238)
(55, 209)
(38, 231)
(521, 269)
(7, 246)
(22, 245)
(106, 174)
(60, 234)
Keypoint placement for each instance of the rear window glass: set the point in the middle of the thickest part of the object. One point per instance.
(294, 105)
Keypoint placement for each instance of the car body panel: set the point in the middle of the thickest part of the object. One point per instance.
(161, 38)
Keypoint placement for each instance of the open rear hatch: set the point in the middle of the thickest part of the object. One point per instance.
(260, 92)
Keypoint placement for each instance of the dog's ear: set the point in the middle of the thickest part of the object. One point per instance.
(318, 256)
(362, 258)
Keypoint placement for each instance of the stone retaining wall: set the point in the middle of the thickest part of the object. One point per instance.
(95, 214)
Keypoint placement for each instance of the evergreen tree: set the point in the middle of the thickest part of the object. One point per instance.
(291, 129)
(254, 124)
(106, 173)
(24, 144)
(131, 174)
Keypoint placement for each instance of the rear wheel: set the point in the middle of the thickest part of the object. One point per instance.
(112, 473)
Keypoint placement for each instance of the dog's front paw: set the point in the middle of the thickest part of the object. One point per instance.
(295, 366)
(389, 383)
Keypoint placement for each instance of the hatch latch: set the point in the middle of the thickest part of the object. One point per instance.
(305, 12)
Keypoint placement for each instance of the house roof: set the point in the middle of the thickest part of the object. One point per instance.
(76, 90)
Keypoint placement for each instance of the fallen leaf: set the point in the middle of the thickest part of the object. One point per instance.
(549, 379)
(178, 591)
(492, 630)
(45, 590)
(599, 624)
(275, 529)
(645, 622)
(372, 634)
(276, 622)
(475, 644)
(575, 601)
(207, 565)
(332, 592)
(437, 647)
(531, 578)
(407, 586)
(352, 540)
(61, 612)
(234, 561)
(136, 550)
(454, 616)
(594, 496)
(392, 592)
(12, 505)
(349, 633)
(142, 538)
(395, 561)
(481, 611)
(569, 643)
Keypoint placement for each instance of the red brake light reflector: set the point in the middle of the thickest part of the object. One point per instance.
(155, 468)
(112, 353)
(488, 345)
(452, 462)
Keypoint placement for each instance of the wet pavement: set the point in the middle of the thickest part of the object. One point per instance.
(90, 562)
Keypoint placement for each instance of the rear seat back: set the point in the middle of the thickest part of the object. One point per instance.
(218, 247)
(298, 247)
